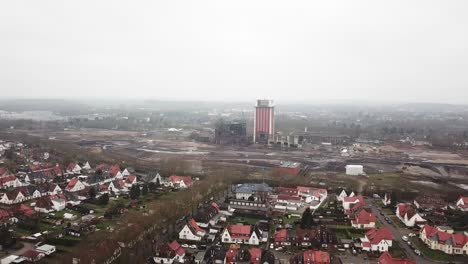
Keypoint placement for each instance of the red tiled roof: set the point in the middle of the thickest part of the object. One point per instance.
(103, 167)
(131, 178)
(356, 207)
(24, 210)
(114, 170)
(457, 240)
(7, 179)
(4, 214)
(286, 190)
(255, 255)
(195, 226)
(231, 255)
(316, 256)
(353, 199)
(464, 199)
(175, 246)
(406, 209)
(240, 229)
(281, 235)
(364, 217)
(186, 179)
(71, 184)
(215, 205)
(71, 166)
(14, 193)
(288, 197)
(31, 254)
(376, 235)
(386, 258)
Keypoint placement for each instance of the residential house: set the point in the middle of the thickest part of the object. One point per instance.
(73, 168)
(128, 171)
(86, 166)
(311, 257)
(255, 255)
(130, 180)
(46, 249)
(377, 239)
(430, 202)
(462, 203)
(17, 195)
(117, 187)
(252, 191)
(341, 196)
(386, 200)
(50, 204)
(448, 242)
(32, 255)
(408, 215)
(364, 218)
(23, 210)
(10, 182)
(180, 181)
(4, 215)
(205, 215)
(75, 185)
(191, 231)
(351, 200)
(242, 234)
(152, 178)
(386, 258)
(313, 197)
(302, 237)
(115, 171)
(49, 188)
(290, 202)
(169, 253)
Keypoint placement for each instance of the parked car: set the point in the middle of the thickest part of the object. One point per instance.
(185, 245)
(193, 246)
(279, 248)
(404, 238)
(411, 234)
(417, 252)
(386, 219)
(382, 213)
(409, 243)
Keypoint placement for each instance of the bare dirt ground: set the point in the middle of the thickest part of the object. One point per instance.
(387, 159)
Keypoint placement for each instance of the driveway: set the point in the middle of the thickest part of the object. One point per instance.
(397, 236)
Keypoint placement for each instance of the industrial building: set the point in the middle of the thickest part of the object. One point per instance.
(354, 170)
(288, 169)
(231, 132)
(264, 121)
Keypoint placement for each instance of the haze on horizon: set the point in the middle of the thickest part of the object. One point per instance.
(300, 51)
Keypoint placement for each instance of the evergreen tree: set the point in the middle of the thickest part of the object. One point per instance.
(103, 199)
(134, 192)
(92, 192)
(144, 189)
(307, 220)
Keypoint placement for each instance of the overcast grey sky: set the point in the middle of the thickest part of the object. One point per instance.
(410, 51)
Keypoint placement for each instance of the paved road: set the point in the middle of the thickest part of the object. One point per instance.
(397, 236)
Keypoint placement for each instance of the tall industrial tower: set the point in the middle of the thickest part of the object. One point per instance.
(264, 121)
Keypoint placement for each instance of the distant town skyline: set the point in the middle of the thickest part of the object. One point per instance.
(308, 52)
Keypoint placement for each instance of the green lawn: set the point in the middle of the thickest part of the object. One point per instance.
(396, 221)
(245, 220)
(429, 253)
(348, 232)
(396, 251)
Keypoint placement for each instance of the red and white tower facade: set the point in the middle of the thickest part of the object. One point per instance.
(264, 121)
